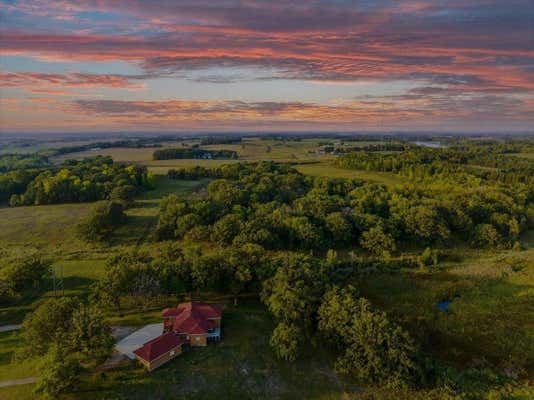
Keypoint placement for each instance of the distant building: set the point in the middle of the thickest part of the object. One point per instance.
(189, 324)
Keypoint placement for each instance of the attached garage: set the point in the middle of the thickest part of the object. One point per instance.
(158, 351)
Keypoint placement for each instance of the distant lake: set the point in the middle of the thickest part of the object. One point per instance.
(434, 145)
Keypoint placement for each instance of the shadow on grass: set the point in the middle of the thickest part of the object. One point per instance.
(136, 229)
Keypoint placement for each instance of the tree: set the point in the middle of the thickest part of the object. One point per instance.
(47, 325)
(89, 333)
(339, 228)
(101, 222)
(426, 223)
(429, 257)
(371, 347)
(226, 229)
(244, 263)
(485, 235)
(59, 372)
(377, 241)
(292, 295)
(123, 195)
(68, 324)
(128, 274)
(20, 275)
(304, 234)
(285, 341)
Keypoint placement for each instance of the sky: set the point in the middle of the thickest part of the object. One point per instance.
(276, 65)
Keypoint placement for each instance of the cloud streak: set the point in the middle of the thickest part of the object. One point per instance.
(466, 57)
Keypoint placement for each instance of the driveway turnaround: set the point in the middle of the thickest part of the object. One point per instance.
(132, 342)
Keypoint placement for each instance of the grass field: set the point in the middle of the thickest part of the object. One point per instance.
(331, 171)
(491, 299)
(49, 229)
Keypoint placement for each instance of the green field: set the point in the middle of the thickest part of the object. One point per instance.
(331, 171)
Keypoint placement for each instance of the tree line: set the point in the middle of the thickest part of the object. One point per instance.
(11, 162)
(472, 165)
(194, 153)
(75, 181)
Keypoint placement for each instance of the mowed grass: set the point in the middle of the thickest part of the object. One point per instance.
(326, 169)
(256, 149)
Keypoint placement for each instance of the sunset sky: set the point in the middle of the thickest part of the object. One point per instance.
(276, 65)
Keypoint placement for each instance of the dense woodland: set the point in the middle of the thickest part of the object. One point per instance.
(279, 208)
(75, 181)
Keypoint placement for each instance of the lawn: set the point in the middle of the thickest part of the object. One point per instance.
(9, 343)
(242, 365)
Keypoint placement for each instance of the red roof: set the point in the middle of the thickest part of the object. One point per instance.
(194, 318)
(169, 312)
(159, 346)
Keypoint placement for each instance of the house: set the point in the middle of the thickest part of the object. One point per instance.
(196, 322)
(189, 324)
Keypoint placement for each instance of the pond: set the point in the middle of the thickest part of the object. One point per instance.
(443, 305)
(433, 145)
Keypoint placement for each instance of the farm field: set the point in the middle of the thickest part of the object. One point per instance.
(251, 149)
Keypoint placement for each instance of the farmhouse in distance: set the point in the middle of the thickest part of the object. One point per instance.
(190, 324)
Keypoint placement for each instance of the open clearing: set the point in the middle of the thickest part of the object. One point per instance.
(331, 171)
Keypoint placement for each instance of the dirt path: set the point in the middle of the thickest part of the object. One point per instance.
(15, 382)
(7, 328)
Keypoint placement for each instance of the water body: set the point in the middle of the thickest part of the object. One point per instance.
(433, 145)
(443, 305)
